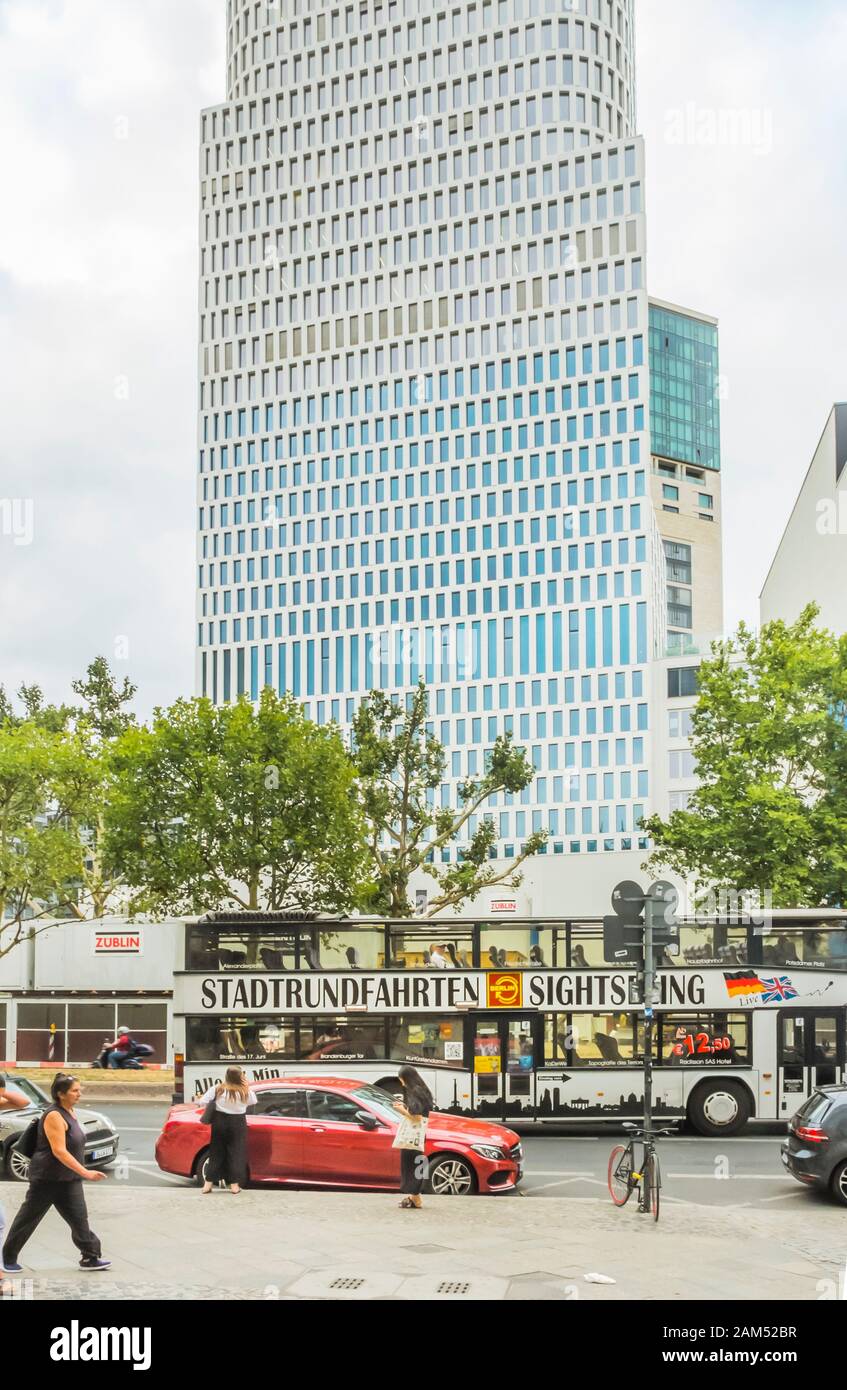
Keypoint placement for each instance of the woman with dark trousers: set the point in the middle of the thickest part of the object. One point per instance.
(228, 1152)
(416, 1105)
(56, 1174)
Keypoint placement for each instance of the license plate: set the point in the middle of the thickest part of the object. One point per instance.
(100, 1153)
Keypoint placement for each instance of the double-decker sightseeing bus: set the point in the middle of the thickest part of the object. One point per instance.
(521, 1021)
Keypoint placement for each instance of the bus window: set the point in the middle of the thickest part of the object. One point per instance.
(413, 950)
(343, 950)
(703, 1039)
(414, 1039)
(240, 950)
(587, 948)
(238, 1039)
(713, 944)
(609, 1038)
(826, 948)
(343, 1039)
(515, 948)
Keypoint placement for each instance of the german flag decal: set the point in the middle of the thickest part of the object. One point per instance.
(743, 982)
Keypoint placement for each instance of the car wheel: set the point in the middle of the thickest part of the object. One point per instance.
(719, 1108)
(451, 1176)
(200, 1166)
(838, 1184)
(17, 1165)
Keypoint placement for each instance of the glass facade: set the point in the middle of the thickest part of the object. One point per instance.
(423, 440)
(684, 396)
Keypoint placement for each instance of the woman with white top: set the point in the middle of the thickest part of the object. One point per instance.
(228, 1151)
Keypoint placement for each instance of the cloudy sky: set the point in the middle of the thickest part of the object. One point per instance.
(99, 103)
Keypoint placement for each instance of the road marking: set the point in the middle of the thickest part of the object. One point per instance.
(736, 1177)
(563, 1182)
(171, 1180)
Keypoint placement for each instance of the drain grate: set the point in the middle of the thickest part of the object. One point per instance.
(346, 1283)
(452, 1288)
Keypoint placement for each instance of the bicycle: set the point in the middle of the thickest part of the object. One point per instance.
(624, 1177)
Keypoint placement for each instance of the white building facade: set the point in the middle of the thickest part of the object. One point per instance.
(424, 435)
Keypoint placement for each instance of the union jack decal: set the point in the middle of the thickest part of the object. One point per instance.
(777, 988)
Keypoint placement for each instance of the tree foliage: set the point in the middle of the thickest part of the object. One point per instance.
(770, 745)
(399, 765)
(235, 806)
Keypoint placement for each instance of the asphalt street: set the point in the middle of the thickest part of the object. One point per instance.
(742, 1172)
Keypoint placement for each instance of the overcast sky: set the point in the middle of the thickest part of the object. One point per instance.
(99, 103)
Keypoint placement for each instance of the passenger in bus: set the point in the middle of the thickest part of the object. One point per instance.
(438, 957)
(578, 956)
(536, 955)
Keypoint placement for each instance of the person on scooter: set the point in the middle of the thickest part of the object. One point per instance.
(119, 1051)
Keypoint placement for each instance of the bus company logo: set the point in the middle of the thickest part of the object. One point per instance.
(504, 991)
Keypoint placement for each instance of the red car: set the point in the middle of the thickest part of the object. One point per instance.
(333, 1132)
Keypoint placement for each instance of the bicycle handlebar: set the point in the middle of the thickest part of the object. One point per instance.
(642, 1133)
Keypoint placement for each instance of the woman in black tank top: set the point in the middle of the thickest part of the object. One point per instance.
(56, 1174)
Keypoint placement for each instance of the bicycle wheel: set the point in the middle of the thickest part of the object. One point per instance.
(654, 1183)
(620, 1174)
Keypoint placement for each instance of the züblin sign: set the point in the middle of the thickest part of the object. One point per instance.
(387, 992)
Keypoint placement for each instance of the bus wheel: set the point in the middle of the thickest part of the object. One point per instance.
(719, 1108)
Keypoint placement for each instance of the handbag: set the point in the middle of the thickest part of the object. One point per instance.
(209, 1113)
(411, 1133)
(28, 1141)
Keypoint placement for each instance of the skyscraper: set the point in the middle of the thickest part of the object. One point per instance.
(424, 395)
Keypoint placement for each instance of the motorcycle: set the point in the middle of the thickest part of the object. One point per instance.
(131, 1062)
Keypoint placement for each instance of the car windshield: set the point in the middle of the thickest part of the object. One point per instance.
(28, 1089)
(378, 1100)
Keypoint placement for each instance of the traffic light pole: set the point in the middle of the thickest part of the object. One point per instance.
(649, 977)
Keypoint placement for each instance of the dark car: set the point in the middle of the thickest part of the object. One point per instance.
(101, 1137)
(815, 1151)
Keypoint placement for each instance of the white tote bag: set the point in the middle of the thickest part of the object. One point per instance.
(411, 1133)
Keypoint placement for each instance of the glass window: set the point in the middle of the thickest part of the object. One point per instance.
(821, 947)
(682, 680)
(515, 948)
(341, 1038)
(710, 945)
(230, 1038)
(287, 1104)
(417, 1039)
(586, 947)
(343, 950)
(413, 950)
(93, 1016)
(330, 1105)
(604, 1039)
(710, 1038)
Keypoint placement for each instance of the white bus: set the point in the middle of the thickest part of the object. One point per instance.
(521, 1021)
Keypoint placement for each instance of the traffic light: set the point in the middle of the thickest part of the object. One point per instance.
(623, 933)
(661, 902)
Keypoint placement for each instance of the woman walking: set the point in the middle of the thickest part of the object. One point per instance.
(56, 1175)
(228, 1152)
(415, 1108)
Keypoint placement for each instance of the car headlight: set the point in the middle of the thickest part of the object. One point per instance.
(489, 1151)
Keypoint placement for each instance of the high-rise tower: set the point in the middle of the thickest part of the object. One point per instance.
(424, 395)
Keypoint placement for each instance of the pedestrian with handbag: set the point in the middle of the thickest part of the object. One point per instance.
(56, 1174)
(410, 1139)
(226, 1111)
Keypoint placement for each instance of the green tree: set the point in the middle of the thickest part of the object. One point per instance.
(101, 720)
(254, 807)
(399, 764)
(48, 791)
(770, 746)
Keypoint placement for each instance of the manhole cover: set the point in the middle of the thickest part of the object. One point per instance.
(345, 1283)
(452, 1288)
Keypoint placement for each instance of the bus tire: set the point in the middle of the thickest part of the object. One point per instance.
(717, 1108)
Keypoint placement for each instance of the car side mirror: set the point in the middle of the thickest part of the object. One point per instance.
(366, 1120)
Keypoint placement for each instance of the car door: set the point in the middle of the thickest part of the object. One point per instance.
(339, 1148)
(275, 1135)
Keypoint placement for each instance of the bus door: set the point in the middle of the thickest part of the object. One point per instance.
(505, 1049)
(810, 1053)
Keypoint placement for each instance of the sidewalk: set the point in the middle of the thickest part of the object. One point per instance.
(176, 1244)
